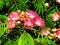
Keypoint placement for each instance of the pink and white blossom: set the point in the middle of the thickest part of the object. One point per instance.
(55, 29)
(32, 14)
(45, 32)
(11, 24)
(55, 16)
(39, 22)
(14, 15)
(57, 34)
(28, 22)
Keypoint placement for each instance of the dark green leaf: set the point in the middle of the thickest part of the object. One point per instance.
(9, 42)
(3, 28)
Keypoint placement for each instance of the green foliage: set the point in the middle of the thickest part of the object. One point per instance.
(0, 41)
(3, 18)
(7, 6)
(49, 21)
(25, 39)
(1, 4)
(39, 6)
(9, 42)
(8, 2)
(44, 41)
(22, 4)
(13, 5)
(16, 42)
(3, 28)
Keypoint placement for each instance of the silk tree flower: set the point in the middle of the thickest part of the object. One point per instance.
(55, 29)
(23, 16)
(29, 22)
(45, 32)
(57, 34)
(31, 14)
(39, 22)
(11, 24)
(58, 1)
(55, 16)
(36, 19)
(14, 15)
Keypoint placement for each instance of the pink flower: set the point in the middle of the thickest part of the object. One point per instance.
(39, 22)
(58, 1)
(55, 16)
(55, 29)
(32, 14)
(45, 32)
(14, 15)
(11, 24)
(57, 34)
(29, 22)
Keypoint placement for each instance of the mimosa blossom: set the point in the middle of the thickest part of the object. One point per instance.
(29, 22)
(14, 15)
(55, 16)
(39, 22)
(29, 18)
(57, 34)
(55, 29)
(11, 24)
(31, 14)
(45, 32)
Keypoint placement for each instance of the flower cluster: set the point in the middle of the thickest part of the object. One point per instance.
(12, 19)
(45, 32)
(58, 1)
(55, 32)
(55, 16)
(30, 19)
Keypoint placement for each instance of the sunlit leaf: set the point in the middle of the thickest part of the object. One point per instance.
(25, 39)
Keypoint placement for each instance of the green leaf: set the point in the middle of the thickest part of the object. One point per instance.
(16, 42)
(25, 39)
(3, 28)
(51, 42)
(3, 18)
(39, 6)
(9, 42)
(8, 2)
(22, 4)
(11, 8)
(1, 4)
(49, 21)
(0, 41)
